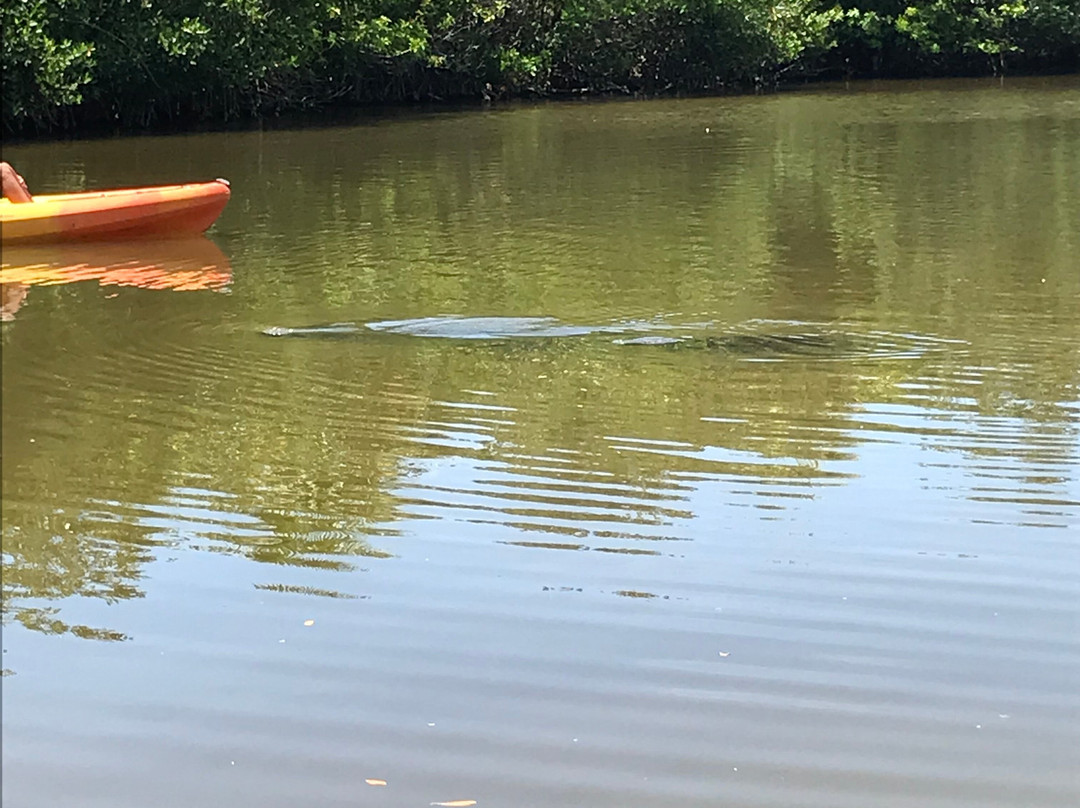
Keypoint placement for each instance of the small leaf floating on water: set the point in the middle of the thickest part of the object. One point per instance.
(374, 781)
(456, 803)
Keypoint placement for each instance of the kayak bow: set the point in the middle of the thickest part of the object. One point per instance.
(163, 211)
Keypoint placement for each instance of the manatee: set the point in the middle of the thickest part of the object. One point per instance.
(331, 330)
(764, 346)
(651, 339)
(455, 327)
(451, 327)
(489, 328)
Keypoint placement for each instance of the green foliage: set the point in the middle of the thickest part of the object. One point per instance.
(42, 74)
(137, 62)
(949, 36)
(663, 44)
(961, 26)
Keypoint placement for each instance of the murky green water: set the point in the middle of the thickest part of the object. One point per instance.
(683, 453)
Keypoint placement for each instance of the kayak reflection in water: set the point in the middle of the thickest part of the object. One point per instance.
(12, 185)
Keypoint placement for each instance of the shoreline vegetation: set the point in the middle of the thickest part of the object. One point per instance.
(70, 66)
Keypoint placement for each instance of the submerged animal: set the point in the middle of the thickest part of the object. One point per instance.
(788, 340)
(324, 331)
(446, 327)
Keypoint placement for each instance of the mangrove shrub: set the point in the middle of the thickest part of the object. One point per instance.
(142, 62)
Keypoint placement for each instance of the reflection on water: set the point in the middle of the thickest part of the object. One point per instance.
(680, 453)
(180, 265)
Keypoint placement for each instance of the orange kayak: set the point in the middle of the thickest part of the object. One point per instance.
(162, 212)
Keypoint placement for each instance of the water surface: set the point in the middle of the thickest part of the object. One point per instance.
(683, 453)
